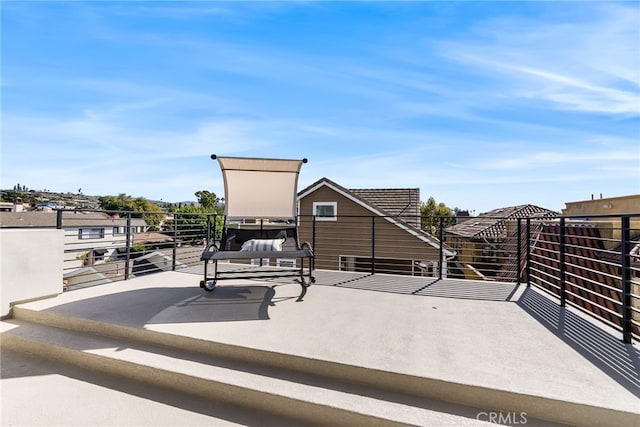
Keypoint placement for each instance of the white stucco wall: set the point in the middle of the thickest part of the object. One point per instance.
(31, 264)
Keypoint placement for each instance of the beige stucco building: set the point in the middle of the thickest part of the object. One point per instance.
(604, 206)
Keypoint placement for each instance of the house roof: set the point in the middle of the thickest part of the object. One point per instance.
(371, 199)
(401, 202)
(390, 201)
(151, 237)
(69, 219)
(492, 224)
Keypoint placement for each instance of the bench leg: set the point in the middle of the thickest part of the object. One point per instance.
(303, 283)
(304, 291)
(207, 283)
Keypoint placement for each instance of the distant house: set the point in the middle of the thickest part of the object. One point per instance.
(597, 211)
(16, 206)
(478, 240)
(89, 237)
(355, 230)
(47, 207)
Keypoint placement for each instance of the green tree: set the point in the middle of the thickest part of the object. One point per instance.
(433, 214)
(141, 207)
(121, 202)
(13, 195)
(207, 199)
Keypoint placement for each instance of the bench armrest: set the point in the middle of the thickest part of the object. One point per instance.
(209, 251)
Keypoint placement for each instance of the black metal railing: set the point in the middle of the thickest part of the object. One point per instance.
(591, 264)
(106, 246)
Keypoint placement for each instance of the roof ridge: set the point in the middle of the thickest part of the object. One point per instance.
(384, 189)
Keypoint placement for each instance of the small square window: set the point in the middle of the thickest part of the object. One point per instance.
(325, 211)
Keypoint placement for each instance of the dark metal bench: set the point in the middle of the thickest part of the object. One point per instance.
(260, 222)
(285, 246)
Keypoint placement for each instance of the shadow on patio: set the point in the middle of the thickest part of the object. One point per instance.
(618, 360)
(141, 307)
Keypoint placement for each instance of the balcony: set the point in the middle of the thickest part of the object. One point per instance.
(365, 347)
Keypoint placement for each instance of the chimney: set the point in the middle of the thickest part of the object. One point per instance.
(17, 205)
(462, 216)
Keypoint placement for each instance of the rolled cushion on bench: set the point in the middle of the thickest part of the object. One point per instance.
(263, 245)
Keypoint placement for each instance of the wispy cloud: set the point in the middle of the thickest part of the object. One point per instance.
(544, 60)
(540, 160)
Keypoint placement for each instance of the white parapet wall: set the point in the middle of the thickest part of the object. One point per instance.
(31, 265)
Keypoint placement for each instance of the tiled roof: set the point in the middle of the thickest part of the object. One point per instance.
(400, 202)
(151, 237)
(27, 219)
(590, 283)
(69, 219)
(492, 225)
(615, 254)
(508, 271)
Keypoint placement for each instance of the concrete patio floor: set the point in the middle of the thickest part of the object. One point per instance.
(485, 336)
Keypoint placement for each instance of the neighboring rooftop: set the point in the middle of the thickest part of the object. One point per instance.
(69, 218)
(402, 202)
(492, 224)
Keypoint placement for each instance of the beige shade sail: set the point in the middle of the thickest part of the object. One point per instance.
(260, 188)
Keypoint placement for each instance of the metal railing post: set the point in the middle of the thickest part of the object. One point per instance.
(373, 245)
(59, 219)
(626, 279)
(127, 260)
(261, 236)
(519, 252)
(313, 241)
(208, 233)
(528, 262)
(441, 248)
(174, 250)
(563, 285)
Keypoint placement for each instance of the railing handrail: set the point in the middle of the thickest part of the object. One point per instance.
(593, 271)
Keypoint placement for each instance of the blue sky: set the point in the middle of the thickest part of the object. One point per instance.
(481, 105)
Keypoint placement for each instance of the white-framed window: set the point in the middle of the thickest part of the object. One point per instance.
(121, 231)
(286, 262)
(325, 211)
(90, 233)
(260, 262)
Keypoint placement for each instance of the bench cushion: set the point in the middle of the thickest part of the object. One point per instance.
(262, 245)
